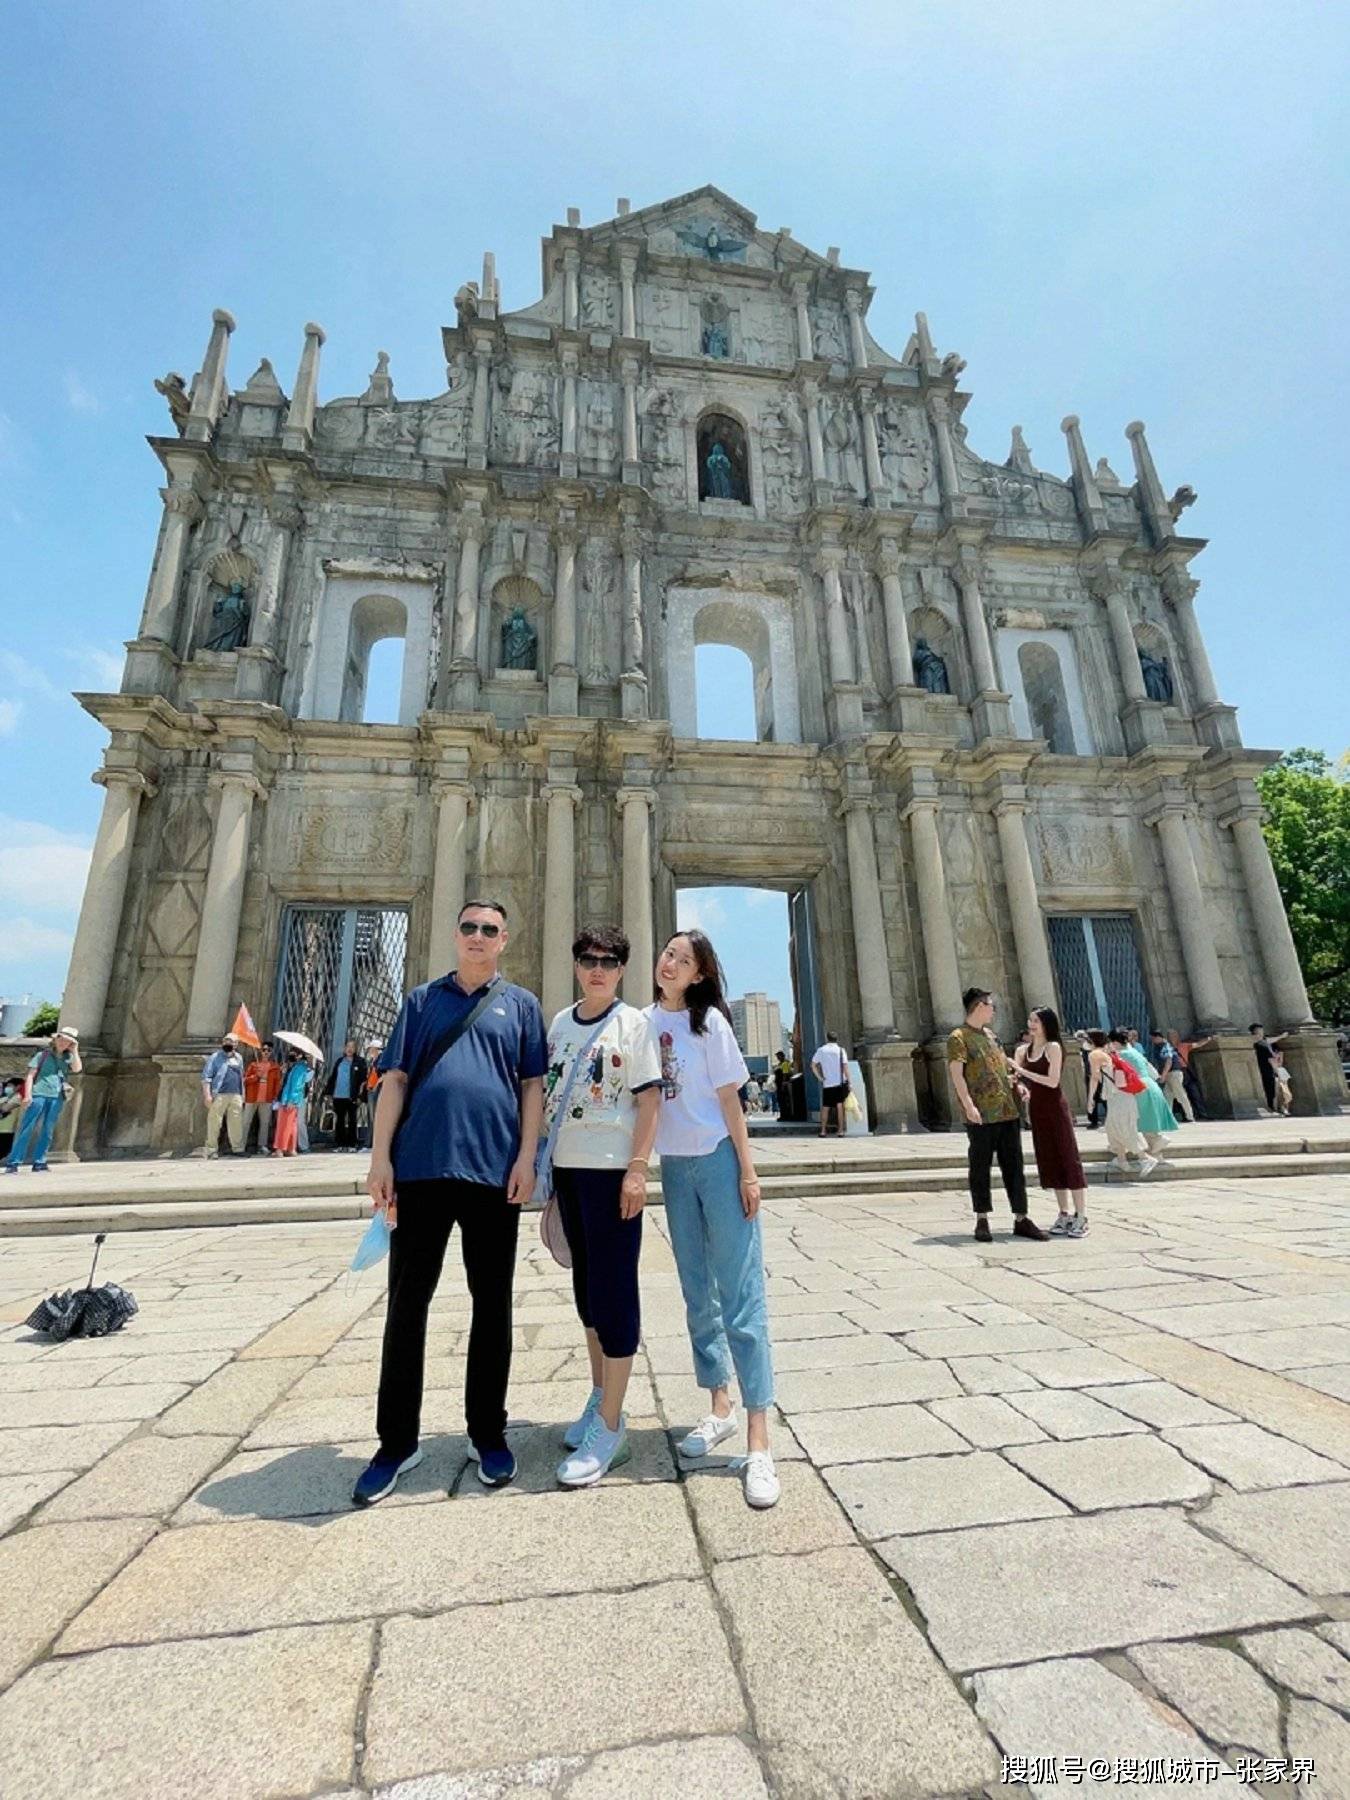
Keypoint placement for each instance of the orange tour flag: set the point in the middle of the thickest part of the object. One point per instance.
(245, 1030)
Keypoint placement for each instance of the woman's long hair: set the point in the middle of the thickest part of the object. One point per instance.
(1049, 1019)
(707, 992)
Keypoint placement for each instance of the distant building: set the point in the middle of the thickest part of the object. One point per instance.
(15, 1014)
(758, 1024)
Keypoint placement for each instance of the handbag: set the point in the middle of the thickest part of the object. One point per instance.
(551, 1228)
(1133, 1082)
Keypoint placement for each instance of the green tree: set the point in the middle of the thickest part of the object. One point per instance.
(1307, 827)
(44, 1021)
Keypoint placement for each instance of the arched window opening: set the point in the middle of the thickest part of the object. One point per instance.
(1047, 701)
(723, 459)
(733, 674)
(375, 619)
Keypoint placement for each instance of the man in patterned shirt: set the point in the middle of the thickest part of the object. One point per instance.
(983, 1084)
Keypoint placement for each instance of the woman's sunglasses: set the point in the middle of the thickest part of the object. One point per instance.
(471, 928)
(588, 960)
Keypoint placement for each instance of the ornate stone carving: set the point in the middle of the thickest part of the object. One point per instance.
(827, 328)
(174, 390)
(599, 302)
(906, 454)
(1083, 853)
(597, 422)
(351, 837)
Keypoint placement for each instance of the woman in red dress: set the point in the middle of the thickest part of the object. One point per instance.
(1040, 1066)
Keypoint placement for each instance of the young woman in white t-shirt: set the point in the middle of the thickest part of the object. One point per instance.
(600, 1160)
(712, 1203)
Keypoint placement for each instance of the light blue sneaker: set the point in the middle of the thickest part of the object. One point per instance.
(577, 1430)
(599, 1451)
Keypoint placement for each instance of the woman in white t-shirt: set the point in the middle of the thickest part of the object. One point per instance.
(712, 1203)
(600, 1160)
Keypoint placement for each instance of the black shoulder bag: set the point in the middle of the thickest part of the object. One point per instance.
(447, 1040)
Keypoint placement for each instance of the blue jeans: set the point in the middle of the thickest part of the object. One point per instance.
(36, 1125)
(721, 1266)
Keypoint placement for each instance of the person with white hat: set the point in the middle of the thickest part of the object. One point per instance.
(46, 1088)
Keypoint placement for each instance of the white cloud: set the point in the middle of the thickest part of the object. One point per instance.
(699, 909)
(19, 672)
(79, 398)
(97, 666)
(43, 870)
(25, 942)
(10, 713)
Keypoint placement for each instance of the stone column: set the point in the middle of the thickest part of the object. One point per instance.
(967, 576)
(935, 921)
(96, 935)
(1033, 951)
(560, 903)
(815, 442)
(218, 937)
(633, 677)
(636, 805)
(1283, 973)
(628, 291)
(876, 486)
(939, 413)
(632, 462)
(567, 463)
(478, 415)
(1155, 507)
(208, 390)
(857, 343)
(1092, 513)
(869, 926)
(1208, 994)
(806, 349)
(836, 620)
(1181, 590)
(562, 684)
(159, 617)
(298, 432)
(453, 802)
(1108, 589)
(466, 593)
(571, 283)
(899, 652)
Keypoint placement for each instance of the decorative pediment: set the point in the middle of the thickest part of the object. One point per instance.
(708, 227)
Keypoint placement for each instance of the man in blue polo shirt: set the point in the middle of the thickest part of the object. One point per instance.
(454, 1143)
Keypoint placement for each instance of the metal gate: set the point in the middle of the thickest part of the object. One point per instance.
(810, 1026)
(1101, 980)
(340, 975)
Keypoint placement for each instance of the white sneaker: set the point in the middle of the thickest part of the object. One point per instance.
(1120, 1165)
(577, 1430)
(762, 1486)
(705, 1438)
(1147, 1167)
(599, 1451)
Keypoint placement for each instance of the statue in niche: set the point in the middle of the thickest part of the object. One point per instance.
(716, 338)
(174, 390)
(230, 618)
(930, 671)
(520, 642)
(1157, 676)
(718, 466)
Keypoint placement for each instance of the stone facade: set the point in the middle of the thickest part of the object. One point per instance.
(692, 437)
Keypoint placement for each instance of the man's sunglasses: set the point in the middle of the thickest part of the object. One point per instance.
(589, 960)
(471, 928)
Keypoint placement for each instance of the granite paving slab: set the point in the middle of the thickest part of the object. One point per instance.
(991, 1375)
(1079, 1368)
(229, 1403)
(1068, 1413)
(1246, 1457)
(1299, 1347)
(48, 1573)
(1158, 1403)
(1118, 1578)
(464, 1690)
(986, 1421)
(937, 1493)
(885, 1384)
(1303, 1534)
(1138, 1471)
(876, 1433)
(314, 1480)
(807, 1517)
(1217, 1690)
(146, 1477)
(1322, 1737)
(690, 1769)
(1304, 1663)
(89, 1406)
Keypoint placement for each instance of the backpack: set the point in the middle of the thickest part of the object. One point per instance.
(1133, 1082)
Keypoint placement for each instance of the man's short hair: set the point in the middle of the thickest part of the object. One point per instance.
(1253, 1028)
(485, 905)
(973, 996)
(608, 940)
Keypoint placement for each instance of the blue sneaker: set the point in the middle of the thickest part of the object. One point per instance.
(380, 1476)
(577, 1430)
(496, 1466)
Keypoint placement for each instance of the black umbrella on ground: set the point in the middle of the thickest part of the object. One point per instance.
(86, 1311)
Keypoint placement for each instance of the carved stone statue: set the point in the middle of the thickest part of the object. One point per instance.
(1185, 496)
(720, 482)
(1157, 676)
(230, 616)
(520, 642)
(710, 243)
(930, 671)
(466, 304)
(174, 390)
(715, 340)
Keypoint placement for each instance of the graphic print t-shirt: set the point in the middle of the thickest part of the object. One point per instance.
(831, 1060)
(692, 1070)
(602, 1106)
(987, 1080)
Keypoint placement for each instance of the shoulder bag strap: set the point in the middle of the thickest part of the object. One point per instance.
(452, 1034)
(544, 1163)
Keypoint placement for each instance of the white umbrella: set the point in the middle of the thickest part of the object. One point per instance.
(301, 1042)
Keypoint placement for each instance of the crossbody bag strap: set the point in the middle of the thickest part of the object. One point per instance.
(545, 1159)
(452, 1034)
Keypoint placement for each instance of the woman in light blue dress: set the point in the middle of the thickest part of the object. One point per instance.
(1155, 1114)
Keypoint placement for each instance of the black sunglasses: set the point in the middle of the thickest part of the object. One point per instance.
(471, 928)
(589, 960)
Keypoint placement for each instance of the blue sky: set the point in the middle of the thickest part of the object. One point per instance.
(1128, 212)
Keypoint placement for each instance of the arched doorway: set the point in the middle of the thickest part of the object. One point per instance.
(759, 625)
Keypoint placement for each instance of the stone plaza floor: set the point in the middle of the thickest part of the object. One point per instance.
(1084, 1506)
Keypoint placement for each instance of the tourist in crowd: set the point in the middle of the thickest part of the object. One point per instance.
(291, 1105)
(456, 1131)
(768, 1097)
(1096, 1100)
(1119, 1086)
(1185, 1049)
(711, 1192)
(46, 1089)
(1284, 1084)
(1040, 1069)
(262, 1090)
(830, 1068)
(223, 1096)
(601, 1098)
(1265, 1053)
(782, 1085)
(344, 1087)
(1166, 1063)
(980, 1072)
(372, 1092)
(1155, 1115)
(11, 1105)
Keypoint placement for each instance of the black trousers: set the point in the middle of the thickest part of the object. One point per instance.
(488, 1228)
(1004, 1141)
(605, 1250)
(344, 1123)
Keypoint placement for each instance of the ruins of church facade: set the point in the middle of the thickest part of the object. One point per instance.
(990, 746)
